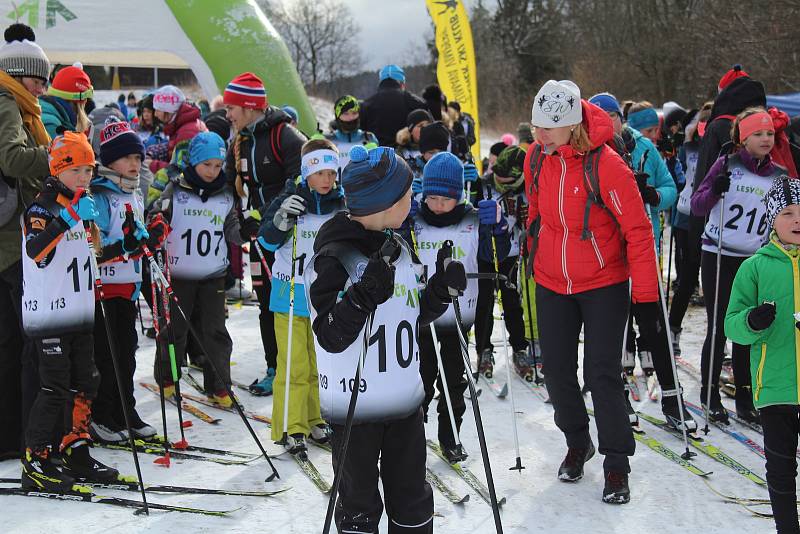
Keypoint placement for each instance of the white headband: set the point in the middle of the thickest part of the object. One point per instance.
(319, 160)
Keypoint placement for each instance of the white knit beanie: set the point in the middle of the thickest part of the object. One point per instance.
(168, 99)
(22, 57)
(558, 103)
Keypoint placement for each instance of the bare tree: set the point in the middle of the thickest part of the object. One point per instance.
(322, 37)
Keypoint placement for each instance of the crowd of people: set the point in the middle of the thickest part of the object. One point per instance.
(369, 232)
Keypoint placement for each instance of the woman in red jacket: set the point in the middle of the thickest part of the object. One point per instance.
(582, 273)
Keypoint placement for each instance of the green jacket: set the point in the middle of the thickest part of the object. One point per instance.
(23, 164)
(772, 274)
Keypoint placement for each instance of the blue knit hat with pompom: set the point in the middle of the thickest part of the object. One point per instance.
(374, 181)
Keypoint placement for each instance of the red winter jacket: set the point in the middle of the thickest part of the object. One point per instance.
(622, 245)
(183, 127)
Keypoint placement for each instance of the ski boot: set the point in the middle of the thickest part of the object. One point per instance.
(522, 364)
(263, 387)
(717, 412)
(38, 473)
(744, 405)
(454, 453)
(486, 363)
(79, 464)
(221, 399)
(616, 490)
(537, 359)
(571, 469)
(295, 444)
(321, 433)
(140, 429)
(107, 433)
(726, 375)
(669, 407)
(676, 341)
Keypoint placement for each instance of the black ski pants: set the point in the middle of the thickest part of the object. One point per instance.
(19, 380)
(689, 270)
(781, 426)
(741, 353)
(395, 451)
(121, 318)
(266, 320)
(453, 363)
(512, 306)
(602, 314)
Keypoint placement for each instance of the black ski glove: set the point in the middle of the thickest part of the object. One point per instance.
(249, 224)
(650, 195)
(375, 287)
(722, 183)
(761, 317)
(450, 278)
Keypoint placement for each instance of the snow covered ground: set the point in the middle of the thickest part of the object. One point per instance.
(665, 497)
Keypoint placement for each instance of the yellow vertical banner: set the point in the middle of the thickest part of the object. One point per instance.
(456, 71)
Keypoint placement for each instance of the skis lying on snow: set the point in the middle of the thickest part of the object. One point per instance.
(158, 441)
(538, 389)
(311, 471)
(642, 437)
(500, 391)
(84, 494)
(176, 454)
(706, 448)
(434, 480)
(744, 502)
(738, 436)
(160, 488)
(194, 410)
(468, 476)
(205, 402)
(632, 385)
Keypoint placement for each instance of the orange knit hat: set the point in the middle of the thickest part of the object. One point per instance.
(69, 150)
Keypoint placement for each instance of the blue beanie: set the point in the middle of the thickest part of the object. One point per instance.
(394, 72)
(205, 146)
(646, 118)
(289, 110)
(443, 176)
(374, 181)
(607, 102)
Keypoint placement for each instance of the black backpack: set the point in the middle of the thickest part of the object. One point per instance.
(591, 179)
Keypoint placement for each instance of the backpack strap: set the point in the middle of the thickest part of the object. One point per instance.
(591, 179)
(535, 163)
(275, 142)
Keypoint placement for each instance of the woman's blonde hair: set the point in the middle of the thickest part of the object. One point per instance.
(579, 139)
(741, 116)
(82, 121)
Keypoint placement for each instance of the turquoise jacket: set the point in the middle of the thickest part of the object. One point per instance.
(56, 112)
(660, 178)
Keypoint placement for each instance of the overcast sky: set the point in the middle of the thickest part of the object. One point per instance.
(392, 30)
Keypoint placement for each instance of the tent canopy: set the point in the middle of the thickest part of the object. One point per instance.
(216, 40)
(790, 104)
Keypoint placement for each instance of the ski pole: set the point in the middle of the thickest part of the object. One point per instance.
(262, 259)
(165, 460)
(98, 284)
(386, 252)
(524, 273)
(518, 465)
(440, 365)
(669, 264)
(139, 313)
(477, 415)
(712, 347)
(285, 437)
(170, 332)
(168, 288)
(678, 391)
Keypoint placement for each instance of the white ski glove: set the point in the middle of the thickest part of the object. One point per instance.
(286, 216)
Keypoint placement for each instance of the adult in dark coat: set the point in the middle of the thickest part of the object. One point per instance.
(385, 112)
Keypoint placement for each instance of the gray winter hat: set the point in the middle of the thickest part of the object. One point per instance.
(20, 56)
(784, 192)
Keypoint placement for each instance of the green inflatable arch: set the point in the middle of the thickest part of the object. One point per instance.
(216, 39)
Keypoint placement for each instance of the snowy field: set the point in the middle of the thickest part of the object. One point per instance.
(665, 497)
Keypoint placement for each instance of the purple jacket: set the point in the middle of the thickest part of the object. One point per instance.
(704, 199)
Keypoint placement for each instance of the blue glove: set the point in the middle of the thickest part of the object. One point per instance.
(85, 209)
(414, 208)
(470, 173)
(416, 185)
(488, 212)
